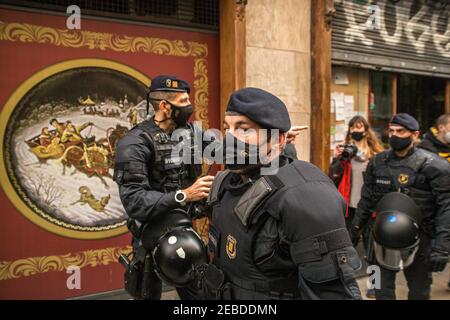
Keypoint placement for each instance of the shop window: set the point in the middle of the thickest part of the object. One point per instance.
(422, 97)
(381, 101)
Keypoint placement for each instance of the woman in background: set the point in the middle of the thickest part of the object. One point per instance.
(348, 166)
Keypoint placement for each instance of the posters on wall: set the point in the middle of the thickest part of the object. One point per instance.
(343, 107)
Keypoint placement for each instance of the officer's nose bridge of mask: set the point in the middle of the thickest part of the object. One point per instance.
(246, 130)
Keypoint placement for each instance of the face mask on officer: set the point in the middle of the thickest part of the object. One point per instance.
(399, 144)
(238, 154)
(180, 115)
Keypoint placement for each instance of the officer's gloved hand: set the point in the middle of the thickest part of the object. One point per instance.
(355, 234)
(437, 260)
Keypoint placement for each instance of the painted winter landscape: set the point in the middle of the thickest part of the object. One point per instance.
(62, 138)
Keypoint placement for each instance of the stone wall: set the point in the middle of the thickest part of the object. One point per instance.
(278, 57)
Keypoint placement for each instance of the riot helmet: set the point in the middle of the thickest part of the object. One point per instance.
(159, 225)
(396, 231)
(179, 256)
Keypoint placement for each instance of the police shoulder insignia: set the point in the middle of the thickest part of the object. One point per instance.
(403, 178)
(231, 247)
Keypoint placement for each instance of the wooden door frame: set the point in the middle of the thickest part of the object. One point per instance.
(321, 69)
(232, 50)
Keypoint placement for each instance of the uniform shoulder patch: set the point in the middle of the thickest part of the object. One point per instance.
(231, 246)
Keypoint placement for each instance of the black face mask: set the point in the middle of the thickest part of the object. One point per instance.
(398, 143)
(357, 136)
(238, 154)
(180, 115)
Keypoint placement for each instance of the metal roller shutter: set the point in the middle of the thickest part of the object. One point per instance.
(410, 36)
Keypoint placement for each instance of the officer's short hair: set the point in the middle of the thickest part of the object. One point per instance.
(443, 120)
(157, 96)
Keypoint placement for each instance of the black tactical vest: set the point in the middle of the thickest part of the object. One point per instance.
(232, 240)
(167, 171)
(404, 176)
(256, 255)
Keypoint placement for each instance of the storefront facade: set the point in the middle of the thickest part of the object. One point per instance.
(389, 57)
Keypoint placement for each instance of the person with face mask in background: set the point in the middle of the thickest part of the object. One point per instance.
(425, 178)
(152, 183)
(277, 225)
(437, 140)
(347, 168)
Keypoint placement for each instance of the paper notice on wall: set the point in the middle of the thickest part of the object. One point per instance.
(338, 103)
(349, 107)
(341, 78)
(339, 132)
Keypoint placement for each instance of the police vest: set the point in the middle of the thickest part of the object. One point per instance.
(404, 176)
(232, 238)
(238, 220)
(168, 171)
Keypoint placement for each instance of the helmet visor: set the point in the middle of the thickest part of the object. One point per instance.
(395, 259)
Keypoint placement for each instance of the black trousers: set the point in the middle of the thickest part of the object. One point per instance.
(364, 248)
(418, 276)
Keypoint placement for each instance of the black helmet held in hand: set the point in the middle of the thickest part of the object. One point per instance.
(179, 255)
(396, 231)
(160, 225)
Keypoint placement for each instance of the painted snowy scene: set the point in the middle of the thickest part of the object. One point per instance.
(62, 153)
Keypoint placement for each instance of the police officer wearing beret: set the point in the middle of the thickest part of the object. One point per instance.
(151, 182)
(425, 178)
(277, 233)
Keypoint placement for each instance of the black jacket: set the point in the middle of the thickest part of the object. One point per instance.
(294, 239)
(431, 143)
(425, 178)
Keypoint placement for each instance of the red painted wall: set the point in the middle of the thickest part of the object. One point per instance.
(20, 238)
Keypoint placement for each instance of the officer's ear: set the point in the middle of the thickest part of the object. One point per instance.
(165, 107)
(282, 140)
(278, 142)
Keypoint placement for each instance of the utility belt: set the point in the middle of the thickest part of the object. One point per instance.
(279, 289)
(218, 286)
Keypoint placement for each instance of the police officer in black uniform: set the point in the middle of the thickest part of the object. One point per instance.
(277, 233)
(425, 178)
(152, 182)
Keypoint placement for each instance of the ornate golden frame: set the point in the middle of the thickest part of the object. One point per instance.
(10, 184)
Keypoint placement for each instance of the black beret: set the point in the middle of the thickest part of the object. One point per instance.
(262, 107)
(169, 84)
(405, 120)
